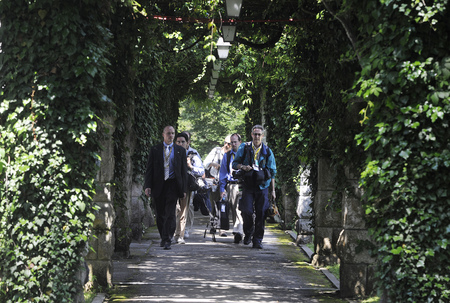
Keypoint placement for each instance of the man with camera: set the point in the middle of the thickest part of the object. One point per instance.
(256, 163)
(229, 187)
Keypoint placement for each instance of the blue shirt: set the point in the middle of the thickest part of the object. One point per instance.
(249, 160)
(225, 173)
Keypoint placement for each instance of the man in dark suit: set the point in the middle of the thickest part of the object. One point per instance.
(166, 181)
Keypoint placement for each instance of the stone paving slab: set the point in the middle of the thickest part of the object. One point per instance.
(205, 271)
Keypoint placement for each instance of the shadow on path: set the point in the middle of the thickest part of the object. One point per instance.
(205, 271)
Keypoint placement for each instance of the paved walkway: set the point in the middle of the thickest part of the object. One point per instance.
(205, 271)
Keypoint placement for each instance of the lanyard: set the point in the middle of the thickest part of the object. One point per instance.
(256, 151)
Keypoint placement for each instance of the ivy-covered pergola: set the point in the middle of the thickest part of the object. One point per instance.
(364, 85)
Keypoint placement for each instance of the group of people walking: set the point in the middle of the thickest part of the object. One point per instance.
(248, 166)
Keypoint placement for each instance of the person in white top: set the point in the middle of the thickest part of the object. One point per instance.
(212, 168)
(196, 166)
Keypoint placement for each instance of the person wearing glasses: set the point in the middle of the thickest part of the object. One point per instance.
(230, 187)
(257, 162)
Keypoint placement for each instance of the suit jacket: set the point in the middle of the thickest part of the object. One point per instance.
(154, 176)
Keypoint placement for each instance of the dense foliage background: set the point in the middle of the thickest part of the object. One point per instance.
(405, 82)
(53, 72)
(210, 124)
(364, 84)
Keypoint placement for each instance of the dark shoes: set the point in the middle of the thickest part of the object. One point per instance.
(257, 245)
(165, 244)
(237, 238)
(247, 240)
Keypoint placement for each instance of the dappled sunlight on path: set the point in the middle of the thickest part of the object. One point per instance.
(205, 271)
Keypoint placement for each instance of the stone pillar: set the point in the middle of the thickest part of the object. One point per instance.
(356, 267)
(141, 213)
(328, 222)
(99, 256)
(289, 204)
(303, 224)
(123, 206)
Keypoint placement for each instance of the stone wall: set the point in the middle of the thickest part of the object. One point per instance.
(357, 267)
(136, 215)
(341, 236)
(99, 255)
(141, 212)
(123, 207)
(328, 222)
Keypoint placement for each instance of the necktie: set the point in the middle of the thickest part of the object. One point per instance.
(167, 152)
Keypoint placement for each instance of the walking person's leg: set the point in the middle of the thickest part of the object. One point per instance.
(234, 195)
(181, 219)
(261, 205)
(168, 212)
(189, 214)
(185, 215)
(246, 208)
(159, 212)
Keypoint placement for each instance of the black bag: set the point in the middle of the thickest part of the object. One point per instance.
(196, 183)
(267, 174)
(258, 177)
(223, 208)
(199, 202)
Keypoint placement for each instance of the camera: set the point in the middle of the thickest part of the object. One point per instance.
(191, 154)
(238, 174)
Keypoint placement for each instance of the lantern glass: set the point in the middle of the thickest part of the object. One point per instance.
(229, 32)
(233, 8)
(223, 48)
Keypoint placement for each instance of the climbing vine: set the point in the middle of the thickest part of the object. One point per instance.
(387, 59)
(299, 82)
(151, 75)
(49, 142)
(405, 82)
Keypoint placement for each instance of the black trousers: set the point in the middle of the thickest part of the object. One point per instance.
(253, 206)
(165, 206)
